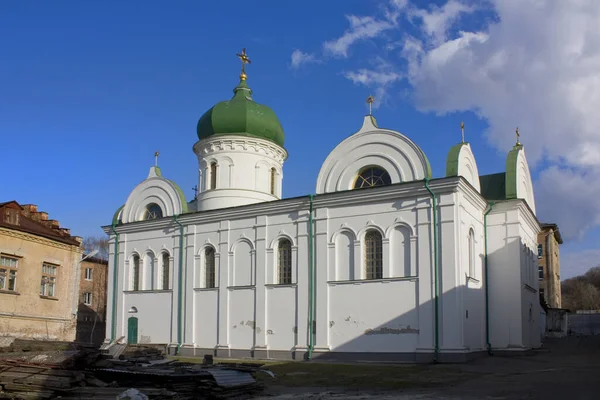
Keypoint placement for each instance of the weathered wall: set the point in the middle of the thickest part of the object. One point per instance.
(24, 312)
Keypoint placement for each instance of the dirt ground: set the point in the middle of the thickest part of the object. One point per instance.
(566, 369)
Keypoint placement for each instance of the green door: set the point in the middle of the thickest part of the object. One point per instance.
(132, 330)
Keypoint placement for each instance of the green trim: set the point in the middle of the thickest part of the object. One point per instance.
(241, 116)
(486, 282)
(511, 172)
(115, 220)
(435, 272)
(180, 286)
(184, 204)
(113, 321)
(452, 159)
(157, 171)
(311, 278)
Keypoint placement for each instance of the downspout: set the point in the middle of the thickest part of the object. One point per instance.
(487, 301)
(113, 322)
(436, 349)
(311, 272)
(180, 285)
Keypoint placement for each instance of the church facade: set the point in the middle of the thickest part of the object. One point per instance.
(383, 262)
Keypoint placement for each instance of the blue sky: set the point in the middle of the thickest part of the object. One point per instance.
(91, 89)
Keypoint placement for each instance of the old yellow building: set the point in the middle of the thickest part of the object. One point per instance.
(549, 240)
(38, 274)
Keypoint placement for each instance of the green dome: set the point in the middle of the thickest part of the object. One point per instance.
(241, 116)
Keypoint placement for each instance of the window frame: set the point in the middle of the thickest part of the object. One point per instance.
(373, 257)
(10, 272)
(210, 270)
(213, 175)
(365, 182)
(166, 271)
(88, 274)
(86, 301)
(284, 262)
(150, 215)
(49, 279)
(136, 273)
(272, 178)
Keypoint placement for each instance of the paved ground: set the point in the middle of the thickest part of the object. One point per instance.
(565, 369)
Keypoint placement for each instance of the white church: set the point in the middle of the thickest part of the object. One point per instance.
(383, 263)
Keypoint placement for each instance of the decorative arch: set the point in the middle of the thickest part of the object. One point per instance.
(284, 261)
(461, 162)
(390, 229)
(363, 231)
(155, 189)
(472, 250)
(348, 230)
(204, 246)
(280, 236)
(243, 263)
(165, 270)
(136, 269)
(390, 150)
(518, 177)
(240, 240)
(373, 254)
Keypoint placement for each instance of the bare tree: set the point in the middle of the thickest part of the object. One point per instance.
(579, 294)
(96, 242)
(593, 276)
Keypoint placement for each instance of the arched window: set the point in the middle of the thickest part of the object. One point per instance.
(135, 279)
(209, 267)
(213, 175)
(471, 253)
(373, 255)
(273, 172)
(153, 211)
(166, 272)
(372, 176)
(284, 262)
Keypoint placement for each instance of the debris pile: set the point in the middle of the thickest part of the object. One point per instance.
(138, 373)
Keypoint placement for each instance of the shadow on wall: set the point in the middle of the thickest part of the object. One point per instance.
(91, 326)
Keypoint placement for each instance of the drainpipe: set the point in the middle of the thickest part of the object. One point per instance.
(113, 322)
(180, 284)
(487, 302)
(435, 271)
(311, 272)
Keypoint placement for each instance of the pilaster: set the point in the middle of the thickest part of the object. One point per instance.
(223, 278)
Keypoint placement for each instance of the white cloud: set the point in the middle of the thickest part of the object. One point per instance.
(538, 68)
(361, 28)
(299, 58)
(437, 21)
(534, 64)
(380, 78)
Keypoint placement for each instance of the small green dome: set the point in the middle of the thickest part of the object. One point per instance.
(241, 116)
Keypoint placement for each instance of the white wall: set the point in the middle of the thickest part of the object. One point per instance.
(153, 314)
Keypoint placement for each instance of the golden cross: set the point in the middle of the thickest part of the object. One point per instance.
(156, 158)
(518, 135)
(462, 130)
(370, 101)
(245, 60)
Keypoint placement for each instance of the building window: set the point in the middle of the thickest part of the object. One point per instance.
(153, 211)
(540, 251)
(88, 274)
(209, 267)
(471, 253)
(273, 172)
(373, 255)
(11, 216)
(8, 273)
(87, 298)
(48, 284)
(372, 176)
(213, 175)
(284, 261)
(166, 271)
(135, 282)
(541, 272)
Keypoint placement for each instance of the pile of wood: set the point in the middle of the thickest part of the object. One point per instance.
(86, 376)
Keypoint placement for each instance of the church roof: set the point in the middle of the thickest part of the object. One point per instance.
(241, 116)
(493, 186)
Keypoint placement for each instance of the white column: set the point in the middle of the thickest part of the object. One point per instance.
(260, 326)
(224, 281)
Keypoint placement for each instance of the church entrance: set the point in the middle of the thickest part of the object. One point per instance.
(132, 330)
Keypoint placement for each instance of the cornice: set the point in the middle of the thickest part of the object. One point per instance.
(335, 199)
(471, 193)
(240, 144)
(38, 239)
